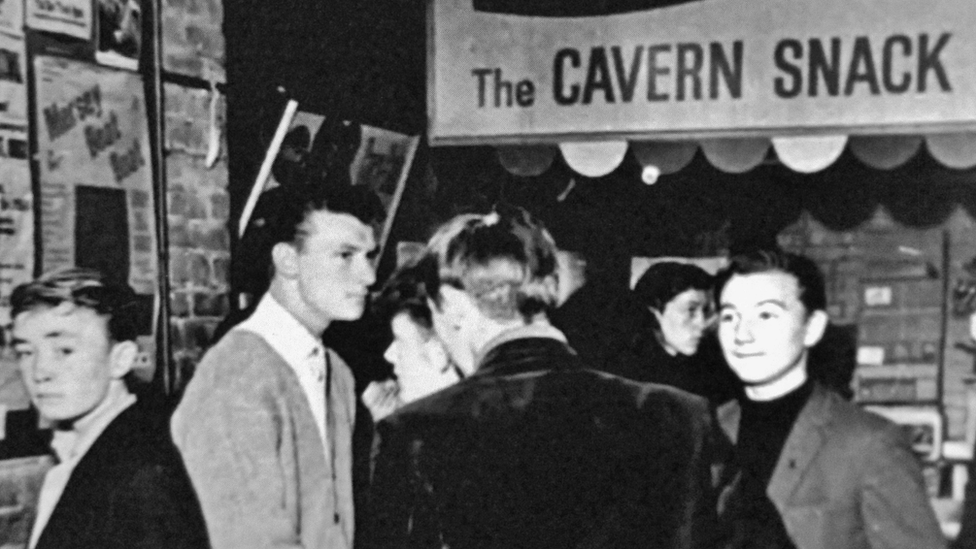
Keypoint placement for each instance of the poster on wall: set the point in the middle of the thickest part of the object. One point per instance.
(93, 142)
(16, 252)
(13, 85)
(68, 17)
(119, 33)
(378, 158)
(16, 217)
(12, 17)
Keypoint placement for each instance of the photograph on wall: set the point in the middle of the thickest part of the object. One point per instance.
(96, 194)
(119, 33)
(308, 143)
(12, 17)
(68, 17)
(13, 83)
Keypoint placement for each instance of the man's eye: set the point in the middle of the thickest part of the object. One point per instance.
(767, 315)
(726, 317)
(64, 351)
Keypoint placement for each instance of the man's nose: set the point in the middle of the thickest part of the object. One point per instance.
(41, 368)
(366, 272)
(390, 354)
(743, 331)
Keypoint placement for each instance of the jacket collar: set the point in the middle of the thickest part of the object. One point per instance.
(802, 445)
(521, 350)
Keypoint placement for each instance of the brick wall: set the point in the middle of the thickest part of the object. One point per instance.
(199, 242)
(850, 261)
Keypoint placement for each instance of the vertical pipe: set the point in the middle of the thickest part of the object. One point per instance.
(164, 360)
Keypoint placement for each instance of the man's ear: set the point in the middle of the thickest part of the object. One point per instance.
(122, 358)
(456, 305)
(285, 259)
(816, 326)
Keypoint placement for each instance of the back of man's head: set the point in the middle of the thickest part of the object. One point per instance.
(504, 260)
(809, 279)
(86, 288)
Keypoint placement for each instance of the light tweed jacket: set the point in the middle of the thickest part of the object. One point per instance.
(254, 454)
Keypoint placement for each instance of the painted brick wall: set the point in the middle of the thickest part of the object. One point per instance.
(199, 242)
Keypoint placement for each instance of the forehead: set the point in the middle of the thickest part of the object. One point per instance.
(335, 230)
(65, 320)
(404, 326)
(754, 289)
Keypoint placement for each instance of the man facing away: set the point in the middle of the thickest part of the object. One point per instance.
(119, 482)
(532, 449)
(815, 471)
(265, 424)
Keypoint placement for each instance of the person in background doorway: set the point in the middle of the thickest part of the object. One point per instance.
(119, 481)
(532, 449)
(265, 425)
(812, 469)
(420, 362)
(679, 347)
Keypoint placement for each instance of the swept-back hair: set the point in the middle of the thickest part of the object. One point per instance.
(505, 260)
(87, 288)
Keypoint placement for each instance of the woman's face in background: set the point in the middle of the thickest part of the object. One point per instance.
(683, 321)
(419, 360)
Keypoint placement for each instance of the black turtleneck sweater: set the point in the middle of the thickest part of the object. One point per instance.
(763, 431)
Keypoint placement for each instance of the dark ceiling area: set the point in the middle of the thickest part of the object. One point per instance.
(352, 59)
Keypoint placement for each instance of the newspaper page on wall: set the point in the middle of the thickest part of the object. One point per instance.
(16, 206)
(68, 17)
(12, 17)
(95, 173)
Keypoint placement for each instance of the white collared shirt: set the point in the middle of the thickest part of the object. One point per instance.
(70, 447)
(302, 351)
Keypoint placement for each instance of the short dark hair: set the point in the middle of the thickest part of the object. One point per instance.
(88, 288)
(663, 281)
(404, 292)
(285, 208)
(809, 279)
(281, 211)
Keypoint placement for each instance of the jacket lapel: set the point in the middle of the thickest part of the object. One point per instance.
(802, 446)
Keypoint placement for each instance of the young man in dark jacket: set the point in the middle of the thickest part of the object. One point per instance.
(532, 449)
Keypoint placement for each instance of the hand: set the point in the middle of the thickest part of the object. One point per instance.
(381, 398)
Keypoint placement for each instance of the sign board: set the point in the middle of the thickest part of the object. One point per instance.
(500, 72)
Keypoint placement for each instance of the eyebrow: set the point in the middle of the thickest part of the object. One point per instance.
(778, 302)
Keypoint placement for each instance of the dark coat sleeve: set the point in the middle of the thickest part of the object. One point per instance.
(157, 509)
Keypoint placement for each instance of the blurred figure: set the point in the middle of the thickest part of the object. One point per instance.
(679, 299)
(814, 471)
(420, 363)
(532, 449)
(679, 348)
(967, 531)
(119, 482)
